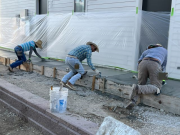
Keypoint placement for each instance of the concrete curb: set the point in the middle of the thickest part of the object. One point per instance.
(35, 110)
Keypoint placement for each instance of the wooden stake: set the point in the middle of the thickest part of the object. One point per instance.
(8, 61)
(104, 82)
(30, 67)
(42, 70)
(93, 82)
(54, 73)
(5, 61)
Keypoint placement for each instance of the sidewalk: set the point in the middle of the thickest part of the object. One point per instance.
(117, 76)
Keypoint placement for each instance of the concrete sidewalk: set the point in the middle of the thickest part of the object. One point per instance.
(117, 76)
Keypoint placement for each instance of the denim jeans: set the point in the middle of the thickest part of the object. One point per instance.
(74, 74)
(21, 59)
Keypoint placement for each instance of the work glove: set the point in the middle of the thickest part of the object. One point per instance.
(97, 72)
(157, 93)
(42, 59)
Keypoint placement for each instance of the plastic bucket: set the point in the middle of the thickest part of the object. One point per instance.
(58, 99)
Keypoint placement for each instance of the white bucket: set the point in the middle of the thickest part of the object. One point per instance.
(58, 99)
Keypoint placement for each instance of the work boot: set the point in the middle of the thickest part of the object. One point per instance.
(62, 83)
(69, 85)
(130, 105)
(134, 91)
(10, 69)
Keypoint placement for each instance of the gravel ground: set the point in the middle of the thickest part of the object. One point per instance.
(11, 124)
(94, 107)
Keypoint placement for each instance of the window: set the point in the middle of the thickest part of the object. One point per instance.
(41, 6)
(79, 5)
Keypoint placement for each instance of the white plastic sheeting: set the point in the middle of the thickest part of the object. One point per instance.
(121, 36)
(114, 33)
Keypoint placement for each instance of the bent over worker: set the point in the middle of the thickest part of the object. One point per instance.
(20, 49)
(74, 61)
(151, 62)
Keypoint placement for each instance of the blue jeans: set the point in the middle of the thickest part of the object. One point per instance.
(74, 74)
(21, 58)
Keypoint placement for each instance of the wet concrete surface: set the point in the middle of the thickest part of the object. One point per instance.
(172, 88)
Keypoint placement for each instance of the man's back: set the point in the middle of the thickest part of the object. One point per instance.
(159, 53)
(81, 52)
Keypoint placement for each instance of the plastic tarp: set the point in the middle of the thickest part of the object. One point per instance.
(121, 36)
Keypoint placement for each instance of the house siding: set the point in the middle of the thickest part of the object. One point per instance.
(13, 7)
(174, 42)
(60, 6)
(113, 5)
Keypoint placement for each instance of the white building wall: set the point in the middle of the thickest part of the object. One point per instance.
(8, 11)
(111, 5)
(174, 42)
(60, 6)
(126, 58)
(10, 8)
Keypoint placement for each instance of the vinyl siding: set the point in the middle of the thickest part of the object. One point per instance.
(60, 6)
(110, 5)
(13, 7)
(174, 42)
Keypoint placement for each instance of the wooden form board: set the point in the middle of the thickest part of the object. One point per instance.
(3, 61)
(167, 103)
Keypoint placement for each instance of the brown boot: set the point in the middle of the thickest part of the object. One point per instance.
(69, 85)
(10, 69)
(62, 83)
(130, 105)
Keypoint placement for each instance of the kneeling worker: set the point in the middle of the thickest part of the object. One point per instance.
(20, 49)
(151, 62)
(74, 61)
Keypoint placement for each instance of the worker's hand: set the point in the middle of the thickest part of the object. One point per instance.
(97, 72)
(42, 59)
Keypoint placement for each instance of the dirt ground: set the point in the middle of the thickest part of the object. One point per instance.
(11, 124)
(94, 106)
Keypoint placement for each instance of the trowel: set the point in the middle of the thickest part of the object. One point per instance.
(44, 60)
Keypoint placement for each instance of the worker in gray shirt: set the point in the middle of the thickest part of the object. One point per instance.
(151, 62)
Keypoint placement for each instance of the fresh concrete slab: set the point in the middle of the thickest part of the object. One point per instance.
(118, 76)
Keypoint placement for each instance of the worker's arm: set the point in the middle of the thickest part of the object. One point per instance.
(164, 64)
(88, 56)
(35, 51)
(30, 52)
